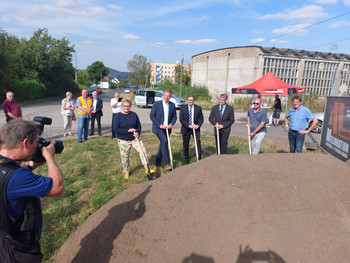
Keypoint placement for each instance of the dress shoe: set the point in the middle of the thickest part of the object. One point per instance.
(168, 167)
(90, 134)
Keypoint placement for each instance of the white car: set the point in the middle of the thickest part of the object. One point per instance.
(319, 116)
(146, 98)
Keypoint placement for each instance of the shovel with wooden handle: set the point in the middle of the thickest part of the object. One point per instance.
(249, 140)
(150, 173)
(218, 139)
(195, 142)
(169, 147)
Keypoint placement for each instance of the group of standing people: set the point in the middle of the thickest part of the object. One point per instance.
(89, 109)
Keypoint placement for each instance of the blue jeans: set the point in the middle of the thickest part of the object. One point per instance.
(83, 124)
(296, 141)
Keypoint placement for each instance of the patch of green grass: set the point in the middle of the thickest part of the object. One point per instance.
(93, 175)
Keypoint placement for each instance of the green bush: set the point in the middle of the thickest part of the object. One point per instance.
(28, 90)
(201, 93)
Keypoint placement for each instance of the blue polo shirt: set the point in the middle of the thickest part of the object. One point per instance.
(299, 119)
(256, 118)
(23, 183)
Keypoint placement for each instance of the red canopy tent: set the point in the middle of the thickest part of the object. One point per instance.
(269, 84)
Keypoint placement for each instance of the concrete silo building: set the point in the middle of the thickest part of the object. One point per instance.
(223, 69)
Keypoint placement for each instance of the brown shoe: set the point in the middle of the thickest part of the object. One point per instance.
(168, 167)
(157, 167)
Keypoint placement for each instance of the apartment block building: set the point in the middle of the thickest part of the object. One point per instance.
(162, 71)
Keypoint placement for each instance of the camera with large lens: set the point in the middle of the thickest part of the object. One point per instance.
(38, 156)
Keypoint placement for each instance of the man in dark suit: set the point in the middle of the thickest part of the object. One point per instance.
(96, 113)
(222, 116)
(163, 116)
(191, 117)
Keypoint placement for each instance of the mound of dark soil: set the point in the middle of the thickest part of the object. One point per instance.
(233, 208)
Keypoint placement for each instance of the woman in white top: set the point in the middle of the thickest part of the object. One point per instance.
(67, 111)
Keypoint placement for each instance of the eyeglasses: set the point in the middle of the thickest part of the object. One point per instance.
(126, 106)
(256, 103)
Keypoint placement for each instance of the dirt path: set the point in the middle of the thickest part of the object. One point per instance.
(234, 208)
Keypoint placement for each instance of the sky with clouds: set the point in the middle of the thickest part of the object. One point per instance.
(112, 31)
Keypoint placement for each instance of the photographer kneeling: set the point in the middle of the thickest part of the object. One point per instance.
(20, 189)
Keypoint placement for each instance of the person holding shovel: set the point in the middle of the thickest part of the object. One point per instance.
(222, 117)
(191, 118)
(256, 121)
(163, 117)
(127, 126)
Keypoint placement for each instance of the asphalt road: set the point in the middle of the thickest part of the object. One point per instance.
(52, 109)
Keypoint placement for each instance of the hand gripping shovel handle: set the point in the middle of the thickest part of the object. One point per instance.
(218, 139)
(169, 147)
(195, 143)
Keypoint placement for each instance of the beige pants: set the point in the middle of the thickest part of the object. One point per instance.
(67, 124)
(125, 146)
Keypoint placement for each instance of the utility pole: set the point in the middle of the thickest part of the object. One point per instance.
(145, 81)
(182, 63)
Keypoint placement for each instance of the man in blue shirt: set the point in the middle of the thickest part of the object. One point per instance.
(256, 119)
(163, 116)
(20, 190)
(300, 117)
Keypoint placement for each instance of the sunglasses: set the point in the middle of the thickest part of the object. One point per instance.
(256, 103)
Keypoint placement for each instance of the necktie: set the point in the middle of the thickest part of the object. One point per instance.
(221, 110)
(190, 116)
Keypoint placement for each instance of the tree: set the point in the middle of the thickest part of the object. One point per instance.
(186, 79)
(49, 61)
(97, 71)
(83, 78)
(139, 67)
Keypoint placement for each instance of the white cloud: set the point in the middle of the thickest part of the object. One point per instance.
(307, 12)
(159, 45)
(257, 40)
(116, 7)
(39, 12)
(346, 2)
(290, 29)
(65, 3)
(130, 37)
(326, 2)
(258, 31)
(198, 42)
(339, 24)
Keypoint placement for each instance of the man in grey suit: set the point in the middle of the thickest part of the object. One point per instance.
(222, 117)
(191, 117)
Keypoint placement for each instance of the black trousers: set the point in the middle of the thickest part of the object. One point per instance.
(114, 134)
(186, 142)
(223, 137)
(98, 119)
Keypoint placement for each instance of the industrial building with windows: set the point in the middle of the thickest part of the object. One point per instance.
(318, 72)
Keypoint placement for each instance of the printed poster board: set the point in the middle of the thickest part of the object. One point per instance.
(335, 138)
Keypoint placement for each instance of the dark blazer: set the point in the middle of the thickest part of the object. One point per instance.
(184, 118)
(157, 115)
(228, 118)
(99, 107)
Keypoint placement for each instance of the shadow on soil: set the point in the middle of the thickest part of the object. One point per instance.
(250, 256)
(98, 245)
(194, 258)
